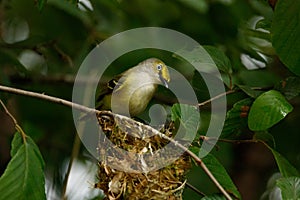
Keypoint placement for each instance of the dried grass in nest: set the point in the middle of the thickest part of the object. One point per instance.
(165, 183)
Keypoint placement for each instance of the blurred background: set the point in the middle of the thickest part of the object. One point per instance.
(42, 47)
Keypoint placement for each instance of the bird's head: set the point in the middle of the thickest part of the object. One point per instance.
(158, 69)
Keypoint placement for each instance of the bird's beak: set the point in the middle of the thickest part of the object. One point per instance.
(164, 81)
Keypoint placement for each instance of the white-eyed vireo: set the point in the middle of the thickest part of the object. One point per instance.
(130, 92)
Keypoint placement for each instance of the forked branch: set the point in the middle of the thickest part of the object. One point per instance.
(91, 110)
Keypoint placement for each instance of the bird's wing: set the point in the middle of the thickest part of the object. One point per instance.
(104, 90)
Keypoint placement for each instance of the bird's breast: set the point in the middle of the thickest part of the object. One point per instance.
(132, 101)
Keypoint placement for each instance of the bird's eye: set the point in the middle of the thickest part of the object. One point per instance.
(159, 67)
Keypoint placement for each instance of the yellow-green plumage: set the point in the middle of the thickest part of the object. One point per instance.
(134, 88)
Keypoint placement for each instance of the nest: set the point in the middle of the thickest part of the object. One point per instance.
(119, 175)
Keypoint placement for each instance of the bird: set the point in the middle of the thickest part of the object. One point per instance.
(130, 92)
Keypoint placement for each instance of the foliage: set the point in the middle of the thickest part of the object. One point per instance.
(290, 187)
(267, 110)
(24, 175)
(284, 35)
(255, 48)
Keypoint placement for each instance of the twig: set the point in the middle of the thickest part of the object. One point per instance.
(48, 98)
(216, 97)
(194, 189)
(203, 166)
(229, 92)
(91, 110)
(17, 126)
(205, 138)
(63, 55)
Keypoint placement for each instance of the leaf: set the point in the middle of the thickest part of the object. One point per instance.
(74, 1)
(222, 61)
(249, 91)
(290, 187)
(24, 175)
(41, 4)
(272, 191)
(267, 110)
(264, 24)
(258, 78)
(189, 118)
(236, 118)
(214, 197)
(285, 168)
(72, 10)
(199, 5)
(199, 58)
(285, 33)
(221, 174)
(290, 87)
(15, 144)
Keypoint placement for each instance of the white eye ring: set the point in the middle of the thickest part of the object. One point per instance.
(159, 67)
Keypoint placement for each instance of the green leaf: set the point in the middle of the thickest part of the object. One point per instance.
(214, 197)
(198, 57)
(249, 91)
(258, 78)
(222, 61)
(285, 33)
(72, 10)
(285, 168)
(74, 1)
(290, 187)
(221, 174)
(41, 4)
(15, 144)
(189, 119)
(235, 119)
(195, 149)
(24, 175)
(290, 87)
(271, 191)
(199, 5)
(267, 110)
(264, 24)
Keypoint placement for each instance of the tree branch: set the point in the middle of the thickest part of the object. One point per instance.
(48, 98)
(91, 110)
(216, 97)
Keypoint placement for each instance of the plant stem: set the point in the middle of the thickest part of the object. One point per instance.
(17, 126)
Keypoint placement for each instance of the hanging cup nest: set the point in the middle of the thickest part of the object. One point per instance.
(129, 166)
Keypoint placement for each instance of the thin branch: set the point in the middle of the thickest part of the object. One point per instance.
(216, 97)
(194, 189)
(91, 110)
(230, 92)
(17, 126)
(63, 55)
(205, 169)
(230, 82)
(205, 138)
(48, 98)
